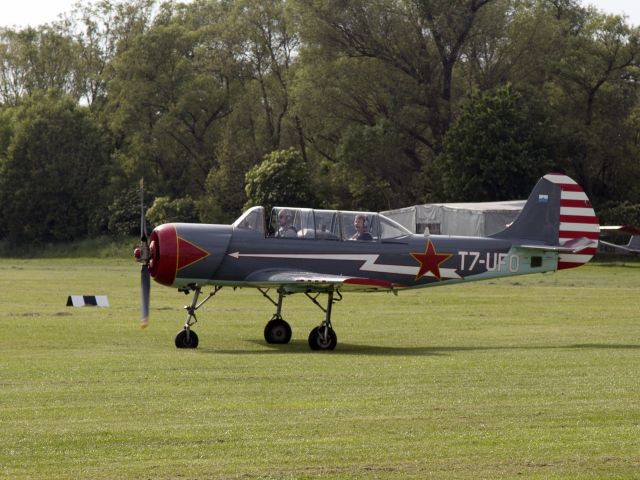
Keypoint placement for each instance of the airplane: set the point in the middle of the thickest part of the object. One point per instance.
(331, 252)
(632, 248)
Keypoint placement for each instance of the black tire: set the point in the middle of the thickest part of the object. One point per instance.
(277, 331)
(316, 342)
(186, 341)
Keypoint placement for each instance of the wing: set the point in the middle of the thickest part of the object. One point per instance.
(305, 281)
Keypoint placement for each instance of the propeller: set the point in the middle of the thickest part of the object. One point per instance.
(142, 254)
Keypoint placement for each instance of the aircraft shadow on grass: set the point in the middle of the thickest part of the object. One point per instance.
(300, 346)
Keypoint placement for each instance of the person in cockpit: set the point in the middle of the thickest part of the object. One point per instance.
(285, 227)
(360, 224)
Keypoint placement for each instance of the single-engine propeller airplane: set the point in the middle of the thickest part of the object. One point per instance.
(632, 248)
(318, 252)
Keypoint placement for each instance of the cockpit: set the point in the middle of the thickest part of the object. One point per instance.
(315, 224)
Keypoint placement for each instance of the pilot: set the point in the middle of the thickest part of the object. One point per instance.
(360, 224)
(285, 229)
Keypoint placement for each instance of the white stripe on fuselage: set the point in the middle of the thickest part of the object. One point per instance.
(369, 260)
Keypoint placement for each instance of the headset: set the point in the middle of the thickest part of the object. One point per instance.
(287, 215)
(365, 220)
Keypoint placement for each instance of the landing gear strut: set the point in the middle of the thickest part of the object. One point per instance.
(323, 337)
(277, 330)
(187, 338)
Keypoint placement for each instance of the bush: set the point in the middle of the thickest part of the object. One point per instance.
(165, 210)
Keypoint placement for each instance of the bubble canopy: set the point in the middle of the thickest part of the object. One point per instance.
(316, 224)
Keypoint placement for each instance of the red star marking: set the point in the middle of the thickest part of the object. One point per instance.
(430, 261)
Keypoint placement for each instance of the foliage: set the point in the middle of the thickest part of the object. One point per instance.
(371, 164)
(54, 174)
(624, 213)
(165, 210)
(124, 213)
(497, 149)
(379, 98)
(283, 178)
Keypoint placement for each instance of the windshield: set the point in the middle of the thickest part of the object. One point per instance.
(390, 229)
(252, 219)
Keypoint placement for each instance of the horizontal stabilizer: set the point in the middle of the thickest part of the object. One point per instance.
(574, 245)
(557, 217)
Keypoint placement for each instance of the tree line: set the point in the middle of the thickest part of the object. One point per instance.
(353, 104)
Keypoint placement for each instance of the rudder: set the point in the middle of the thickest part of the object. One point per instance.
(558, 213)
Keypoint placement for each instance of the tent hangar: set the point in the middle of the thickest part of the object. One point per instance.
(466, 219)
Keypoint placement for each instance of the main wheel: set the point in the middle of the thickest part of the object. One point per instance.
(319, 341)
(277, 331)
(186, 339)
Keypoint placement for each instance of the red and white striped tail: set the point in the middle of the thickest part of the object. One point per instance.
(577, 220)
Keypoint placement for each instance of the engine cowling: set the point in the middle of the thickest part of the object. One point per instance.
(183, 253)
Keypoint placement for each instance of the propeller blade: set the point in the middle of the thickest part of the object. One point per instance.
(145, 289)
(142, 254)
(143, 220)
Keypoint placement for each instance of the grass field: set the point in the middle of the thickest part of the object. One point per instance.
(530, 377)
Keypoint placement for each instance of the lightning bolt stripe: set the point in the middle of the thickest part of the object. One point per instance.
(369, 260)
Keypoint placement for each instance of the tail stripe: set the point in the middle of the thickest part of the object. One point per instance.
(578, 227)
(577, 219)
(567, 195)
(571, 187)
(573, 235)
(576, 203)
(578, 212)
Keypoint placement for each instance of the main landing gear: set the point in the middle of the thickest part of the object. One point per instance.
(276, 331)
(322, 337)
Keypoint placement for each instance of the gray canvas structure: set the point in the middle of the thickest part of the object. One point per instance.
(465, 219)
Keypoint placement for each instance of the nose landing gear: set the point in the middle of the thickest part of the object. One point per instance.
(187, 338)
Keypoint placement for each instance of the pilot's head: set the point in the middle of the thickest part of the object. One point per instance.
(284, 217)
(359, 222)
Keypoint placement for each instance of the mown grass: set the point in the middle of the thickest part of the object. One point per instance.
(530, 377)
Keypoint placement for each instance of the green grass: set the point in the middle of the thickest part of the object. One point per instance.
(529, 377)
(94, 247)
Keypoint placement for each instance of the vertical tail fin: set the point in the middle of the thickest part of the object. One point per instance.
(558, 213)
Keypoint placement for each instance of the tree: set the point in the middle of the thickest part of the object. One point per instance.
(55, 171)
(597, 77)
(263, 40)
(498, 147)
(33, 60)
(101, 30)
(283, 178)
(171, 90)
